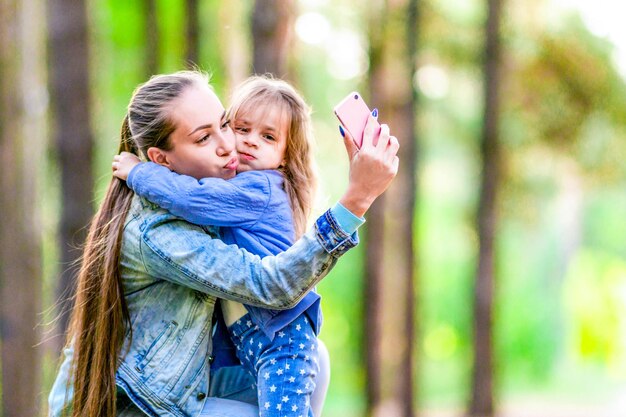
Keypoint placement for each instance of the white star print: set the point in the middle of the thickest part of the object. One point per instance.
(267, 406)
(250, 352)
(281, 334)
(273, 361)
(279, 348)
(298, 327)
(266, 375)
(292, 379)
(307, 336)
(294, 407)
(285, 399)
(294, 356)
(260, 345)
(287, 366)
(313, 347)
(299, 391)
(251, 340)
(279, 406)
(301, 345)
(249, 323)
(306, 357)
(279, 372)
(273, 388)
(302, 372)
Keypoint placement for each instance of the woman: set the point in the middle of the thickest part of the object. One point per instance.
(141, 326)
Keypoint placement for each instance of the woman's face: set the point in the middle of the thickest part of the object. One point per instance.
(203, 144)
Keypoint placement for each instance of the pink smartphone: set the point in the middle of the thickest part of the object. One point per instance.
(352, 112)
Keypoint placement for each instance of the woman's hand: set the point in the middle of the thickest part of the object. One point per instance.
(372, 168)
(123, 163)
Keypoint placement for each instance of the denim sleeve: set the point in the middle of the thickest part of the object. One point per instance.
(177, 251)
(206, 202)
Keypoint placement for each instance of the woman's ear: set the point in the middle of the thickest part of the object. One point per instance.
(158, 156)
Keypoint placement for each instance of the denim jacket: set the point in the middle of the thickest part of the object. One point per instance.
(253, 211)
(172, 273)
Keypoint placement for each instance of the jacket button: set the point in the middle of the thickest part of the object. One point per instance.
(201, 396)
(211, 358)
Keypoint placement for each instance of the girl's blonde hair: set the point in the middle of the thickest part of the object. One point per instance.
(264, 92)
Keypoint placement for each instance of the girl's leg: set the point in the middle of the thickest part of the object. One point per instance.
(287, 372)
(322, 380)
(286, 367)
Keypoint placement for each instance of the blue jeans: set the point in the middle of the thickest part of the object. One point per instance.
(234, 387)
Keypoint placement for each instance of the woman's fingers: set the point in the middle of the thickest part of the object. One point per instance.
(383, 137)
(392, 147)
(371, 131)
(351, 147)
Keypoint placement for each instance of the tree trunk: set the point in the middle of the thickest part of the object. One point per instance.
(272, 23)
(192, 29)
(233, 45)
(390, 260)
(152, 37)
(481, 404)
(69, 93)
(22, 119)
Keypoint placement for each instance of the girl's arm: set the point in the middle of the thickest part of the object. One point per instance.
(238, 202)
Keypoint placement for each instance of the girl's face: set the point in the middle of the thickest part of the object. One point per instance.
(203, 144)
(261, 138)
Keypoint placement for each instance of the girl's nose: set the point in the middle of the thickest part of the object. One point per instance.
(250, 140)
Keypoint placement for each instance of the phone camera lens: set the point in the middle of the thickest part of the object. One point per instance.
(356, 96)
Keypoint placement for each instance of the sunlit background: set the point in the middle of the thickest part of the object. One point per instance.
(560, 301)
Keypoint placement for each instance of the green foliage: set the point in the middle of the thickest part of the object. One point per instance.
(560, 286)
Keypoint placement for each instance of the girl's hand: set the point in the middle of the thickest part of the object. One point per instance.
(372, 168)
(123, 163)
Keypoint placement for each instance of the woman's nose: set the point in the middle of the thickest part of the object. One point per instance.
(226, 143)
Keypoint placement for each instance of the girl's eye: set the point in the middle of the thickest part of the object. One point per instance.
(269, 137)
(225, 124)
(242, 129)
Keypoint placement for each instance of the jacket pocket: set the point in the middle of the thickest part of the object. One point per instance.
(157, 344)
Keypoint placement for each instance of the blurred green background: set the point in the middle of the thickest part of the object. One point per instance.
(560, 299)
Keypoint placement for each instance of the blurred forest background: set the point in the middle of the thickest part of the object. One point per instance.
(492, 276)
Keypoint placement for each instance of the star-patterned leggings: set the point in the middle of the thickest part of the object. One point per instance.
(284, 368)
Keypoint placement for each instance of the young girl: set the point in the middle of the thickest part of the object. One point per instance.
(263, 209)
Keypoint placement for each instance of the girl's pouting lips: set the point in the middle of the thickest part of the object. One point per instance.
(232, 164)
(246, 156)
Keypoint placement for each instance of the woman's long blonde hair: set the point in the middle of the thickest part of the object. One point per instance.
(264, 92)
(100, 318)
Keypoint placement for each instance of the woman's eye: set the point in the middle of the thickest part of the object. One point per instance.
(225, 124)
(203, 138)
